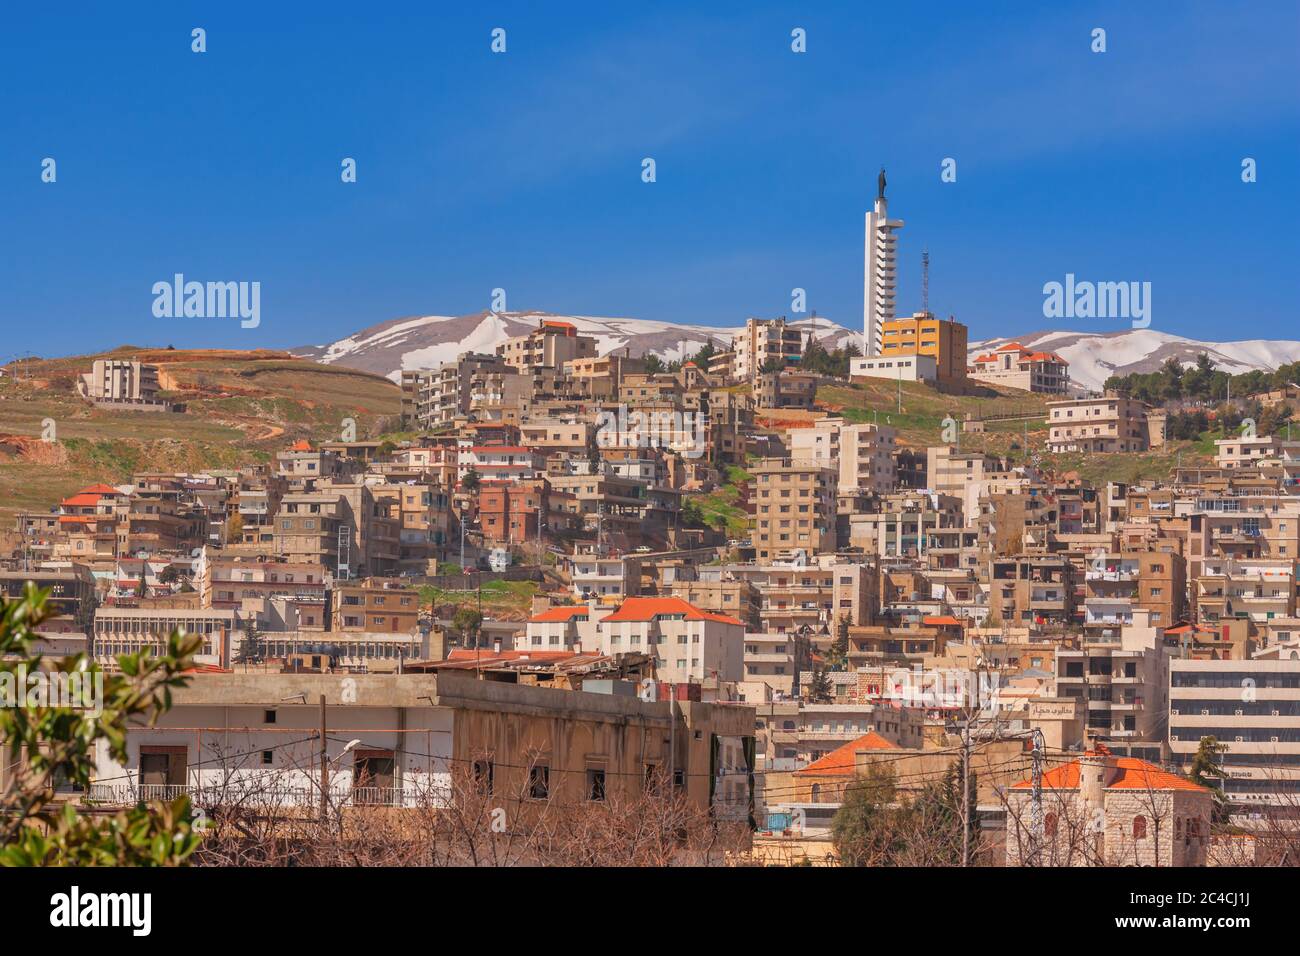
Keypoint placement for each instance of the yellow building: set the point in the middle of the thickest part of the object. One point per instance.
(923, 334)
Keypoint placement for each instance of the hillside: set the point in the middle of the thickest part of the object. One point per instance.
(241, 407)
(426, 341)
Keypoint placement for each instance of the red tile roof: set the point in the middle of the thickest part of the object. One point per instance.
(645, 609)
(99, 489)
(1132, 774)
(555, 614)
(843, 760)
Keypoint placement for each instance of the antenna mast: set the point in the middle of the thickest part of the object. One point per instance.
(925, 281)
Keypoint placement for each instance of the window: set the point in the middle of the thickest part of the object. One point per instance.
(268, 717)
(596, 783)
(1049, 825)
(539, 781)
(268, 757)
(483, 773)
(1139, 827)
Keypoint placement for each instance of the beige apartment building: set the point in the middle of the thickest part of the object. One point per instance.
(862, 454)
(1118, 582)
(121, 381)
(953, 472)
(1122, 681)
(436, 397)
(1258, 589)
(1109, 424)
(764, 341)
(1247, 452)
(550, 345)
(794, 508)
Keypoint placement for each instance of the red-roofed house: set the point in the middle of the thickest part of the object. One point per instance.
(1104, 810)
(691, 645)
(1014, 366)
(562, 628)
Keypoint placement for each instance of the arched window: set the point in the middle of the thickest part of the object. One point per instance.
(1049, 825)
(816, 792)
(1139, 827)
(1178, 827)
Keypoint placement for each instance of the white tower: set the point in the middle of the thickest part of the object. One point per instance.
(880, 270)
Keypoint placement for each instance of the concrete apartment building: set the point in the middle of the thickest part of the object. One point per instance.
(1234, 454)
(553, 343)
(435, 397)
(735, 598)
(383, 605)
(1257, 589)
(794, 508)
(1252, 709)
(129, 630)
(1032, 589)
(1109, 424)
(1014, 366)
(421, 734)
(906, 524)
(812, 596)
(1123, 684)
(770, 666)
(1242, 525)
(952, 472)
(1117, 582)
(761, 342)
(862, 454)
(943, 340)
(122, 382)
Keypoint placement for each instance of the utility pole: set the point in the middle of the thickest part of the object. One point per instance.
(324, 766)
(1036, 778)
(965, 792)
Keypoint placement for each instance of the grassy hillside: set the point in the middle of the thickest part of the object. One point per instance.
(1015, 426)
(241, 407)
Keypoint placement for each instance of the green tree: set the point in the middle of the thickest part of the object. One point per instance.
(467, 621)
(819, 687)
(1207, 770)
(864, 829)
(48, 745)
(471, 481)
(838, 656)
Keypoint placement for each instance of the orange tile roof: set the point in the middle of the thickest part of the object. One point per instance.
(947, 620)
(99, 489)
(1133, 774)
(843, 760)
(82, 499)
(300, 445)
(554, 614)
(645, 608)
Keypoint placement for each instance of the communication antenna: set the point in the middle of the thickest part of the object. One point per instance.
(925, 281)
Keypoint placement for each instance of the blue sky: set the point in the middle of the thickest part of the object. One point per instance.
(522, 170)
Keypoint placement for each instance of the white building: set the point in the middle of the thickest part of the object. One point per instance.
(902, 368)
(880, 274)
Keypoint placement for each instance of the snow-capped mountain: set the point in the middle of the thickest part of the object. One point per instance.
(430, 340)
(1095, 356)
